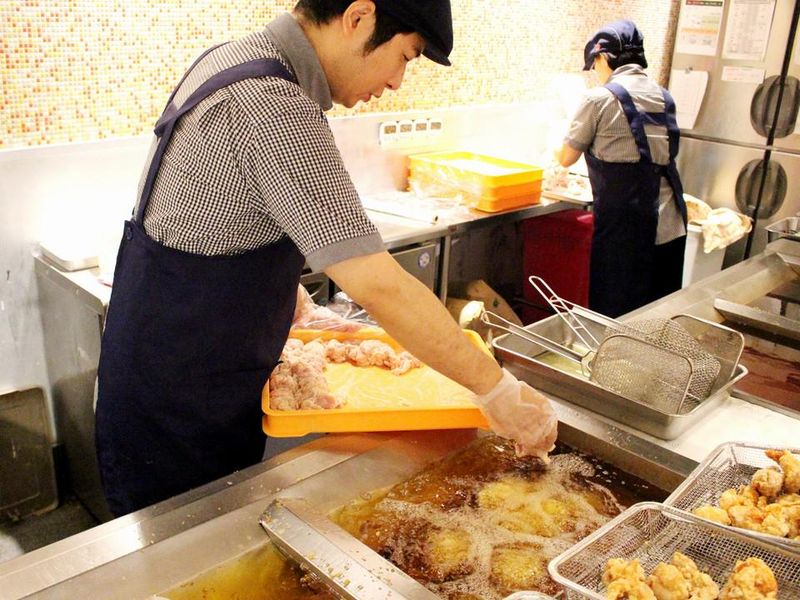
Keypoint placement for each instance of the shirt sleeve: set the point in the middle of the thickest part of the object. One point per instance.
(583, 128)
(301, 182)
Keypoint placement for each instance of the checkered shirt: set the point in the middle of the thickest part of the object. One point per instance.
(256, 161)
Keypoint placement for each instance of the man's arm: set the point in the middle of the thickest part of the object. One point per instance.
(567, 155)
(413, 316)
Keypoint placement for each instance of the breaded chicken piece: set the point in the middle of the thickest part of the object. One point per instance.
(668, 583)
(712, 513)
(791, 469)
(625, 581)
(751, 579)
(767, 482)
(701, 586)
(746, 517)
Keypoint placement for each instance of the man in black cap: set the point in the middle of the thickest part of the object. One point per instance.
(244, 185)
(629, 136)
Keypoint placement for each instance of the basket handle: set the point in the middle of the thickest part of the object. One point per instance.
(497, 322)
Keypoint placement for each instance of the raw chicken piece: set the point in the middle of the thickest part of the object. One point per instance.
(751, 579)
(282, 388)
(791, 469)
(668, 583)
(314, 353)
(336, 351)
(403, 363)
(767, 482)
(712, 513)
(312, 387)
(701, 586)
(379, 354)
(625, 581)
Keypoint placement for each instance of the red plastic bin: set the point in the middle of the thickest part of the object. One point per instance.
(557, 248)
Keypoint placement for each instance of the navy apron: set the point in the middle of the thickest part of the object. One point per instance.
(189, 342)
(624, 270)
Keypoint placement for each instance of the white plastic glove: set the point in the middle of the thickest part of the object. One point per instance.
(516, 411)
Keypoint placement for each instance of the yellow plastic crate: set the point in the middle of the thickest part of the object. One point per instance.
(378, 400)
(486, 182)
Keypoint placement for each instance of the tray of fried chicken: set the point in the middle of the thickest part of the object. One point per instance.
(346, 381)
(750, 487)
(656, 552)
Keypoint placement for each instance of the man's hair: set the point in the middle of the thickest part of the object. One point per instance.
(627, 57)
(320, 12)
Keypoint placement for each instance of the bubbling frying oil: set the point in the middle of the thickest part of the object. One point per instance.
(480, 524)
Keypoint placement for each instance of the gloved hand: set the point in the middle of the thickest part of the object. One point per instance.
(518, 412)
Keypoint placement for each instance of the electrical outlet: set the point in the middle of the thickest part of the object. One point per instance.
(408, 133)
(388, 133)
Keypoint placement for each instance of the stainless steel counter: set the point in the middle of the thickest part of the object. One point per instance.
(397, 232)
(157, 548)
(154, 549)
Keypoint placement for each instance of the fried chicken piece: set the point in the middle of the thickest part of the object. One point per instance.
(751, 579)
(520, 566)
(625, 581)
(746, 517)
(668, 583)
(743, 496)
(792, 513)
(791, 469)
(701, 586)
(619, 568)
(767, 482)
(712, 513)
(775, 521)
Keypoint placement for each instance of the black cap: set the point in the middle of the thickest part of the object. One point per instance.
(613, 38)
(431, 19)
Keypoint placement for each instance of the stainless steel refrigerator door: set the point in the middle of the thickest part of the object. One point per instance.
(725, 111)
(790, 162)
(709, 171)
(790, 107)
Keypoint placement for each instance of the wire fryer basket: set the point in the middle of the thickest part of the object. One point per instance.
(651, 533)
(729, 465)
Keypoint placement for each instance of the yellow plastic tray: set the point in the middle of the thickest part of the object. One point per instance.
(376, 399)
(482, 175)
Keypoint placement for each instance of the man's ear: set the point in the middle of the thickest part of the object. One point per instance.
(359, 14)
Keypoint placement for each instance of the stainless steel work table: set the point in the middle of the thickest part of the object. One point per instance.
(397, 232)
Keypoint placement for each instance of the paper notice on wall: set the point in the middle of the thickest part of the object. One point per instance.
(687, 89)
(743, 75)
(747, 29)
(699, 26)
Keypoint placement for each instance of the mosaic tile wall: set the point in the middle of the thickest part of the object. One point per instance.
(81, 70)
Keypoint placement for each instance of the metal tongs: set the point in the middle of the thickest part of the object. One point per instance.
(564, 309)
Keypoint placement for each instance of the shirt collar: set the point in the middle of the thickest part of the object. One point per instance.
(627, 70)
(293, 44)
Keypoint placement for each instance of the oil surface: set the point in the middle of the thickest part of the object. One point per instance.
(480, 524)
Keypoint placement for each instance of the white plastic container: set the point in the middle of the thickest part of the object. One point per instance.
(697, 264)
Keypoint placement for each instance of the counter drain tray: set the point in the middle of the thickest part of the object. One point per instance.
(529, 362)
(651, 533)
(729, 465)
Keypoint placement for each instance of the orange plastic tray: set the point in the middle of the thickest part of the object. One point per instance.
(491, 205)
(376, 399)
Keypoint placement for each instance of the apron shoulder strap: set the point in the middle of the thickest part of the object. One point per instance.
(635, 119)
(262, 67)
(673, 131)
